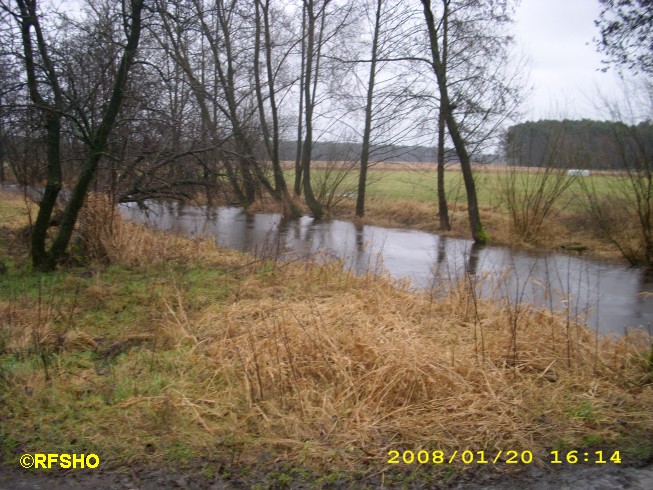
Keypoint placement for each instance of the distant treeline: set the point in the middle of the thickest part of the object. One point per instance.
(338, 151)
(343, 151)
(579, 144)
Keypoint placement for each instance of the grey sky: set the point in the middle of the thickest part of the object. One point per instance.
(556, 35)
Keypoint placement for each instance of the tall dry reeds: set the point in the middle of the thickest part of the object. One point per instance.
(105, 236)
(346, 368)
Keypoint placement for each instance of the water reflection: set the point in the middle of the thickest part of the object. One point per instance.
(607, 296)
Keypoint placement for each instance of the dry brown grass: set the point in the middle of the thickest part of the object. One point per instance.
(325, 368)
(412, 214)
(306, 363)
(106, 237)
(318, 367)
(370, 367)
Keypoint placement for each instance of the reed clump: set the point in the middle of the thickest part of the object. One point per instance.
(105, 236)
(362, 369)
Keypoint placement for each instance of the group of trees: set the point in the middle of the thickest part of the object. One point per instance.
(581, 144)
(166, 98)
(162, 98)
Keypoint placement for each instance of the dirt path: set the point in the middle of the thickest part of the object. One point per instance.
(604, 477)
(595, 477)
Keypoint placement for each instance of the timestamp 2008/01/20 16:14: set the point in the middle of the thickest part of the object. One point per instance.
(507, 457)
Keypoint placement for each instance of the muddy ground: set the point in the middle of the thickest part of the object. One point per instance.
(580, 477)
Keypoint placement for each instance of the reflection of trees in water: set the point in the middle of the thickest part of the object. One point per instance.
(295, 238)
(645, 299)
(362, 257)
(441, 252)
(360, 237)
(448, 267)
(575, 285)
(471, 264)
(275, 239)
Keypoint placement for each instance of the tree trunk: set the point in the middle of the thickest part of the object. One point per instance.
(41, 258)
(478, 234)
(367, 132)
(459, 143)
(314, 205)
(443, 209)
(298, 151)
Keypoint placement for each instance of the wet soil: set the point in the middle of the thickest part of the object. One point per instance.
(581, 477)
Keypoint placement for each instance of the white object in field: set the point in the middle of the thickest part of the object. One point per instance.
(575, 172)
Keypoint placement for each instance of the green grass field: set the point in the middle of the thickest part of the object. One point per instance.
(421, 184)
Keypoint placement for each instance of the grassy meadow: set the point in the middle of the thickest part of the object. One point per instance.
(418, 182)
(154, 350)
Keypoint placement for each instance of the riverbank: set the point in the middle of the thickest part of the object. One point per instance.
(401, 195)
(171, 353)
(570, 233)
(556, 235)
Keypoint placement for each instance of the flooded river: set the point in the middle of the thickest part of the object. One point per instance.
(607, 296)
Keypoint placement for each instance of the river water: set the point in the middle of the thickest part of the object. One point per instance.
(608, 297)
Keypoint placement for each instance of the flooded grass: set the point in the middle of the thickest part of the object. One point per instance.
(173, 352)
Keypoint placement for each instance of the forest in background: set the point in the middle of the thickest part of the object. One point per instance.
(604, 145)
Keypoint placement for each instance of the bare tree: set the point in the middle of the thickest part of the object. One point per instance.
(447, 112)
(443, 209)
(389, 90)
(297, 187)
(627, 34)
(468, 50)
(314, 13)
(367, 131)
(271, 132)
(48, 98)
(326, 21)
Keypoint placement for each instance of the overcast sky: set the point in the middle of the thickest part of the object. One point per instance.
(556, 35)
